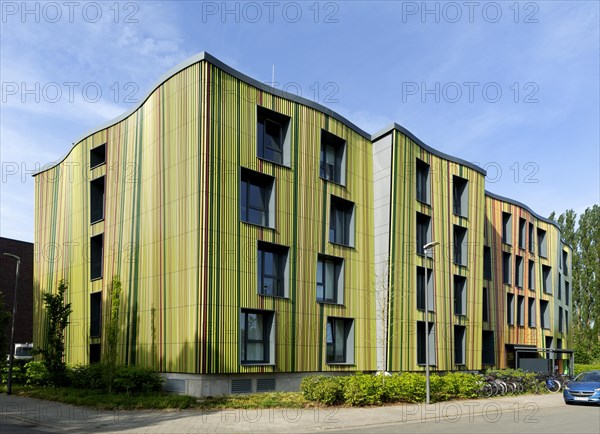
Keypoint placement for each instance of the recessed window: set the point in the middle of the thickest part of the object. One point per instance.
(333, 155)
(506, 268)
(559, 289)
(549, 341)
(95, 353)
(487, 263)
(423, 232)
(422, 339)
(98, 156)
(272, 136)
(341, 222)
(520, 310)
(423, 187)
(96, 314)
(340, 340)
(560, 320)
(547, 279)
(531, 312)
(510, 309)
(531, 239)
(567, 292)
(460, 333)
(460, 245)
(257, 336)
(330, 279)
(460, 196)
(565, 262)
(522, 226)
(519, 271)
(542, 249)
(566, 321)
(487, 348)
(421, 289)
(257, 198)
(96, 254)
(544, 314)
(97, 200)
(272, 269)
(531, 275)
(485, 305)
(506, 228)
(460, 295)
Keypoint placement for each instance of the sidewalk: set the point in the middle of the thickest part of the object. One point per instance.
(52, 416)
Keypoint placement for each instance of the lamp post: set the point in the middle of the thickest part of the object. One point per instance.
(12, 332)
(426, 249)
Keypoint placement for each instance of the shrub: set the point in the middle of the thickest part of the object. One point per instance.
(36, 374)
(135, 379)
(454, 385)
(361, 389)
(404, 387)
(580, 367)
(92, 376)
(326, 390)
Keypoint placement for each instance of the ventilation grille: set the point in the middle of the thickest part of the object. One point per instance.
(241, 386)
(177, 386)
(265, 385)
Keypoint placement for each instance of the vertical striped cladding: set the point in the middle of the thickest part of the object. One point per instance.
(173, 235)
(514, 334)
(403, 316)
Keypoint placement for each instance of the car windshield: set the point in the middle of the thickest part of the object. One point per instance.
(589, 376)
(23, 352)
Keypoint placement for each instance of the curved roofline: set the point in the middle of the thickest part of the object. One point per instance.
(525, 207)
(229, 70)
(422, 144)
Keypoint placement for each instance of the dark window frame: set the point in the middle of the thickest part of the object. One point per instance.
(267, 323)
(341, 214)
(338, 270)
(249, 180)
(332, 171)
(331, 340)
(97, 199)
(96, 314)
(422, 182)
(271, 150)
(277, 276)
(460, 188)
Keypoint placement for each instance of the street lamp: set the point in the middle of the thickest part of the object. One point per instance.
(426, 247)
(12, 332)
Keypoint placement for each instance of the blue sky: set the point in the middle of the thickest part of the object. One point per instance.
(511, 86)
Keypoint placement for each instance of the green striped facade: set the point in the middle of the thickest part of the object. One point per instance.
(172, 232)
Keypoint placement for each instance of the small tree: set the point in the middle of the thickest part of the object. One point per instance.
(57, 316)
(113, 331)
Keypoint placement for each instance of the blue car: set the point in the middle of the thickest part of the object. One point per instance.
(584, 388)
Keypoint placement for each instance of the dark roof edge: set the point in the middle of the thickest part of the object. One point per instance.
(423, 145)
(229, 70)
(522, 205)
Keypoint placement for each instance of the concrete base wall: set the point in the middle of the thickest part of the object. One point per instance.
(218, 385)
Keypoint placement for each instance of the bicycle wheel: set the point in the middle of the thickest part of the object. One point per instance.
(520, 387)
(511, 387)
(553, 386)
(486, 391)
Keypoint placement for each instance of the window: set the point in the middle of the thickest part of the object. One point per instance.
(460, 295)
(96, 253)
(421, 341)
(272, 265)
(487, 348)
(257, 343)
(487, 263)
(333, 150)
(520, 310)
(485, 304)
(97, 200)
(506, 228)
(421, 289)
(547, 279)
(460, 245)
(510, 309)
(522, 226)
(531, 312)
(257, 198)
(531, 275)
(460, 196)
(341, 222)
(519, 271)
(96, 314)
(459, 344)
(566, 321)
(567, 290)
(548, 342)
(544, 314)
(559, 290)
(565, 260)
(423, 232)
(95, 352)
(340, 340)
(541, 235)
(98, 156)
(506, 272)
(531, 240)
(422, 181)
(272, 141)
(330, 279)
(560, 320)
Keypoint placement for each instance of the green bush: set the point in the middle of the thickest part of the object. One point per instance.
(404, 387)
(580, 367)
(326, 390)
(454, 385)
(36, 374)
(136, 379)
(92, 376)
(361, 389)
(18, 373)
